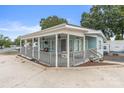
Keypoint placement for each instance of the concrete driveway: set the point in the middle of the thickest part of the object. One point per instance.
(19, 72)
(114, 58)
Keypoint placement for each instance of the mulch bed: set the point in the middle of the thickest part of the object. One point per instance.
(96, 64)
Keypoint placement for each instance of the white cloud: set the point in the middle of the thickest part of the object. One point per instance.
(13, 28)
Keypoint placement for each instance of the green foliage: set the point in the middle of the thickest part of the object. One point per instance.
(118, 36)
(51, 21)
(107, 18)
(122, 10)
(5, 41)
(1, 40)
(17, 41)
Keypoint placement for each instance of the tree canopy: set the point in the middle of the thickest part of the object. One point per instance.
(108, 18)
(17, 41)
(51, 21)
(5, 41)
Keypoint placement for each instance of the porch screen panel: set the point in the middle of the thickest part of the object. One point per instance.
(62, 50)
(44, 56)
(35, 46)
(52, 52)
(23, 50)
(47, 57)
(77, 55)
(29, 51)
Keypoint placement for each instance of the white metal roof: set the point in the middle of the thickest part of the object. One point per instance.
(65, 29)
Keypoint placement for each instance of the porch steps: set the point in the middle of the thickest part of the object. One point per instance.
(100, 56)
(92, 57)
(96, 57)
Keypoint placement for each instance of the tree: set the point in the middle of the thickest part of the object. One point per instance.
(4, 41)
(17, 41)
(118, 37)
(7, 42)
(1, 41)
(51, 21)
(121, 25)
(107, 18)
(122, 10)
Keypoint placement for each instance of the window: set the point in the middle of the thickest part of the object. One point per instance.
(76, 45)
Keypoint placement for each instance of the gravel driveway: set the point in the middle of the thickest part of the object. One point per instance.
(19, 72)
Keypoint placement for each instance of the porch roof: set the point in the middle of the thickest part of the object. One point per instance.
(98, 32)
(63, 29)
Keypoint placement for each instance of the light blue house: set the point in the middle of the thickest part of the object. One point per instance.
(63, 45)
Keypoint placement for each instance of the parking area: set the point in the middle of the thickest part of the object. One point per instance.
(114, 58)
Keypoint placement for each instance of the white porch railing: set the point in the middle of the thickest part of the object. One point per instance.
(29, 51)
(48, 58)
(76, 57)
(36, 52)
(22, 50)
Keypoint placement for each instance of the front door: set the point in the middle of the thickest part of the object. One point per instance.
(63, 44)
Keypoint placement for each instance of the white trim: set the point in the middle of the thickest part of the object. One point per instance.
(38, 48)
(56, 50)
(20, 46)
(68, 51)
(84, 47)
(32, 47)
(25, 47)
(68, 29)
(56, 29)
(60, 31)
(76, 28)
(96, 33)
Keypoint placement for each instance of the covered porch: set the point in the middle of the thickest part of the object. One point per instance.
(58, 50)
(62, 47)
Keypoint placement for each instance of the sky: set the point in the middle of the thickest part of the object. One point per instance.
(20, 20)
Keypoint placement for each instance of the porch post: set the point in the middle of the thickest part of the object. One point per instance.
(68, 51)
(20, 46)
(38, 48)
(56, 50)
(25, 47)
(32, 47)
(84, 46)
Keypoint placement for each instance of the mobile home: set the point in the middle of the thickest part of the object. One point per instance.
(63, 45)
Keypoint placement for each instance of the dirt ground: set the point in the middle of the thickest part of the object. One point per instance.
(19, 72)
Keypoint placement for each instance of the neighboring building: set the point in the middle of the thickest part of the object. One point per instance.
(106, 47)
(63, 45)
(114, 46)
